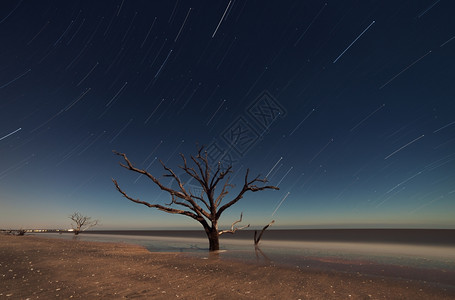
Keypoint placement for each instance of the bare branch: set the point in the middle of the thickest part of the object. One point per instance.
(172, 174)
(182, 195)
(130, 166)
(223, 192)
(200, 198)
(198, 164)
(233, 230)
(192, 172)
(218, 169)
(206, 164)
(256, 240)
(248, 186)
(158, 206)
(215, 182)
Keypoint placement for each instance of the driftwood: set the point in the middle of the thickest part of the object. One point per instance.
(18, 232)
(258, 238)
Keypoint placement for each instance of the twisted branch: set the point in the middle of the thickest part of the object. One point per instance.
(233, 230)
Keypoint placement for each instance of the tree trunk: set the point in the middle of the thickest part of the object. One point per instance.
(214, 239)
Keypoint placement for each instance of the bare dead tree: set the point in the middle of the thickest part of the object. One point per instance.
(258, 238)
(81, 223)
(207, 207)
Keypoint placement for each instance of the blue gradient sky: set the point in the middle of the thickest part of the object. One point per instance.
(365, 136)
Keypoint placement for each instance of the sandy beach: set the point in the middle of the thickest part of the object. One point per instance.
(41, 268)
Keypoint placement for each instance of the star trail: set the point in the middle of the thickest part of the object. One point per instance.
(347, 106)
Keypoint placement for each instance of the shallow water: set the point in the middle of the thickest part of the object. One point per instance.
(433, 263)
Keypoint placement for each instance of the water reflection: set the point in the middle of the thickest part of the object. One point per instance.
(420, 262)
(260, 256)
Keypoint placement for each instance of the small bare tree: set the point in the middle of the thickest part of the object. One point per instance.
(81, 223)
(206, 208)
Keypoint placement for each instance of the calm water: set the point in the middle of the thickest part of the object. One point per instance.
(410, 254)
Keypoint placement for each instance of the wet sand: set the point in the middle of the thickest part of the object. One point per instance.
(42, 268)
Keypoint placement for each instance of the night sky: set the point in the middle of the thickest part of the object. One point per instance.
(347, 106)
